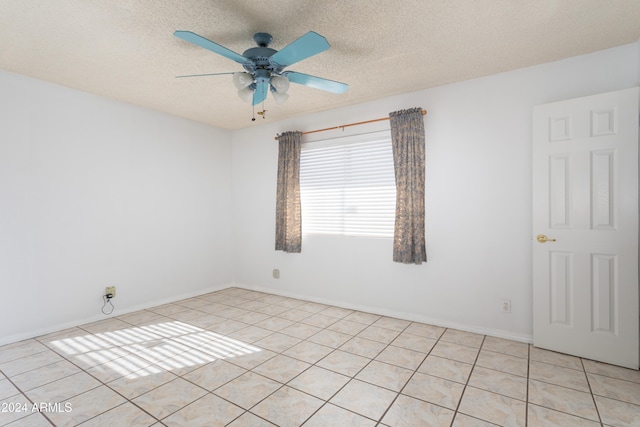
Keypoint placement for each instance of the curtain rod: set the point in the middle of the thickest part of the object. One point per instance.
(424, 113)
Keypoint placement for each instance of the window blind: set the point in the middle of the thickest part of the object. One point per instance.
(347, 186)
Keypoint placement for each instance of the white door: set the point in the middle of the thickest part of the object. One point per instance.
(585, 201)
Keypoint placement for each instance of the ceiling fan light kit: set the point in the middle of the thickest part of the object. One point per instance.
(264, 66)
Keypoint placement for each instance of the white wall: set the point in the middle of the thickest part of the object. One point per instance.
(478, 202)
(94, 193)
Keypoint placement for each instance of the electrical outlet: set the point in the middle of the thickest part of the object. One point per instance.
(110, 290)
(276, 273)
(506, 306)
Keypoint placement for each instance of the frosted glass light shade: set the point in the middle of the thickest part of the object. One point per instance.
(280, 83)
(246, 94)
(242, 80)
(280, 97)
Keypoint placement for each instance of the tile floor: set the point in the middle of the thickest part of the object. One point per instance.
(240, 358)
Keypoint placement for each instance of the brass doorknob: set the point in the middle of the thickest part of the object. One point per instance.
(542, 238)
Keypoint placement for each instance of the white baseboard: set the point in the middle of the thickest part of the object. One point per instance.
(498, 333)
(61, 326)
(375, 310)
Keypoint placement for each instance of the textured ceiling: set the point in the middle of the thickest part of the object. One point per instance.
(125, 49)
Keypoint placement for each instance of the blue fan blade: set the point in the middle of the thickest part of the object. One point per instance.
(208, 44)
(260, 94)
(316, 82)
(308, 45)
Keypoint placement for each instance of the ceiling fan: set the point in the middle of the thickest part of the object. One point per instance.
(264, 66)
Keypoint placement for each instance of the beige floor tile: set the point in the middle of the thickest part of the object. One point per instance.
(227, 327)
(363, 347)
(362, 317)
(319, 382)
(446, 368)
(287, 407)
(616, 413)
(461, 353)
(7, 389)
(398, 325)
(414, 342)
(376, 333)
(319, 320)
(612, 371)
(86, 406)
(249, 420)
(492, 407)
(113, 324)
(27, 363)
(250, 334)
(217, 344)
(500, 345)
(469, 339)
(409, 412)
(248, 389)
(140, 382)
(365, 399)
(169, 398)
(301, 331)
(554, 358)
(499, 382)
(344, 363)
(53, 338)
(118, 368)
(402, 357)
(384, 375)
(164, 310)
(291, 302)
(545, 417)
(503, 362)
(277, 342)
(329, 338)
(434, 390)
(194, 302)
(64, 388)
(46, 374)
(562, 399)
(185, 362)
(233, 313)
(214, 374)
(281, 368)
(14, 408)
(184, 358)
(126, 414)
(208, 411)
(275, 323)
(424, 330)
(33, 420)
(347, 327)
(337, 312)
(312, 307)
(251, 360)
(613, 388)
(308, 351)
(295, 315)
(157, 350)
(331, 415)
(272, 310)
(462, 420)
(558, 375)
(21, 349)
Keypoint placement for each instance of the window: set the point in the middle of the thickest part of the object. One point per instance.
(347, 186)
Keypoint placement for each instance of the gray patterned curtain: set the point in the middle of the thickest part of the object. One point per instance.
(407, 138)
(288, 211)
